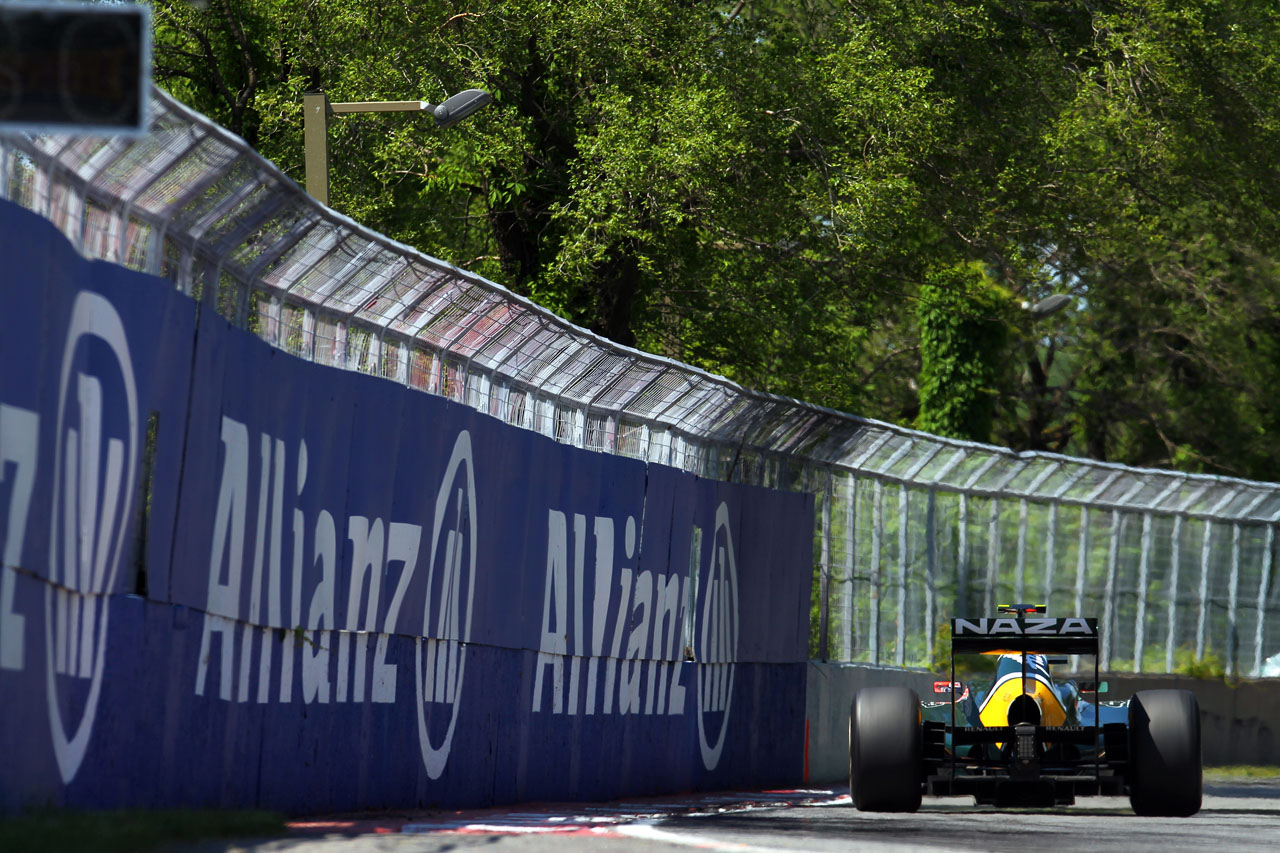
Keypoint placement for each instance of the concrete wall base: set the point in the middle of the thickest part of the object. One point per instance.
(1239, 721)
(830, 693)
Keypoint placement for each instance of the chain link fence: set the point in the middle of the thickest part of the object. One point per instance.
(911, 528)
(1175, 586)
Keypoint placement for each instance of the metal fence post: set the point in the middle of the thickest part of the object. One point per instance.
(993, 558)
(877, 535)
(1233, 590)
(1082, 564)
(1108, 595)
(1204, 588)
(849, 636)
(824, 580)
(1176, 558)
(1139, 630)
(1051, 546)
(962, 563)
(1019, 583)
(900, 653)
(1263, 585)
(931, 555)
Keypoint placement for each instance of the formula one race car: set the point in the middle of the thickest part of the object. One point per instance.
(1026, 740)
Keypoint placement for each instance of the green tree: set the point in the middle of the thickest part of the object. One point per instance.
(660, 173)
(766, 188)
(964, 332)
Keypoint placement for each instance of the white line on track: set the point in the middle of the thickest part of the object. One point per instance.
(646, 831)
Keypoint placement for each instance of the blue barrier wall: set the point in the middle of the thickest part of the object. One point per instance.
(231, 577)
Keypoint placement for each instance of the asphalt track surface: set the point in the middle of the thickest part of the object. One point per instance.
(1241, 815)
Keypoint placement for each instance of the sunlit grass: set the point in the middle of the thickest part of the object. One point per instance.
(1242, 771)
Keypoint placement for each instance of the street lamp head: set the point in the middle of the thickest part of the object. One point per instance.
(1049, 305)
(457, 107)
(317, 109)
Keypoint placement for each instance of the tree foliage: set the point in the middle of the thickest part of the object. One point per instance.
(781, 190)
(964, 331)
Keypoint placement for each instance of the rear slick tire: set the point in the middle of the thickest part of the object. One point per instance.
(884, 750)
(1166, 775)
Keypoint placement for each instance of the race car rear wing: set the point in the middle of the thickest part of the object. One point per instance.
(1024, 630)
(1072, 635)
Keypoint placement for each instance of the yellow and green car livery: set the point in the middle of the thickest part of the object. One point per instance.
(1005, 705)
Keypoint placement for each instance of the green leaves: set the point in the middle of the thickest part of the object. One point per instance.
(964, 331)
(834, 201)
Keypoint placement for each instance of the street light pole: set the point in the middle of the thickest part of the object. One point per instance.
(315, 139)
(315, 128)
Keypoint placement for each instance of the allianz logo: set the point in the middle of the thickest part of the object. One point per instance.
(720, 627)
(441, 663)
(622, 651)
(95, 460)
(95, 463)
(619, 646)
(335, 662)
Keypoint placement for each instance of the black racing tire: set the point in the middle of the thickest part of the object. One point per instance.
(1166, 775)
(884, 750)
